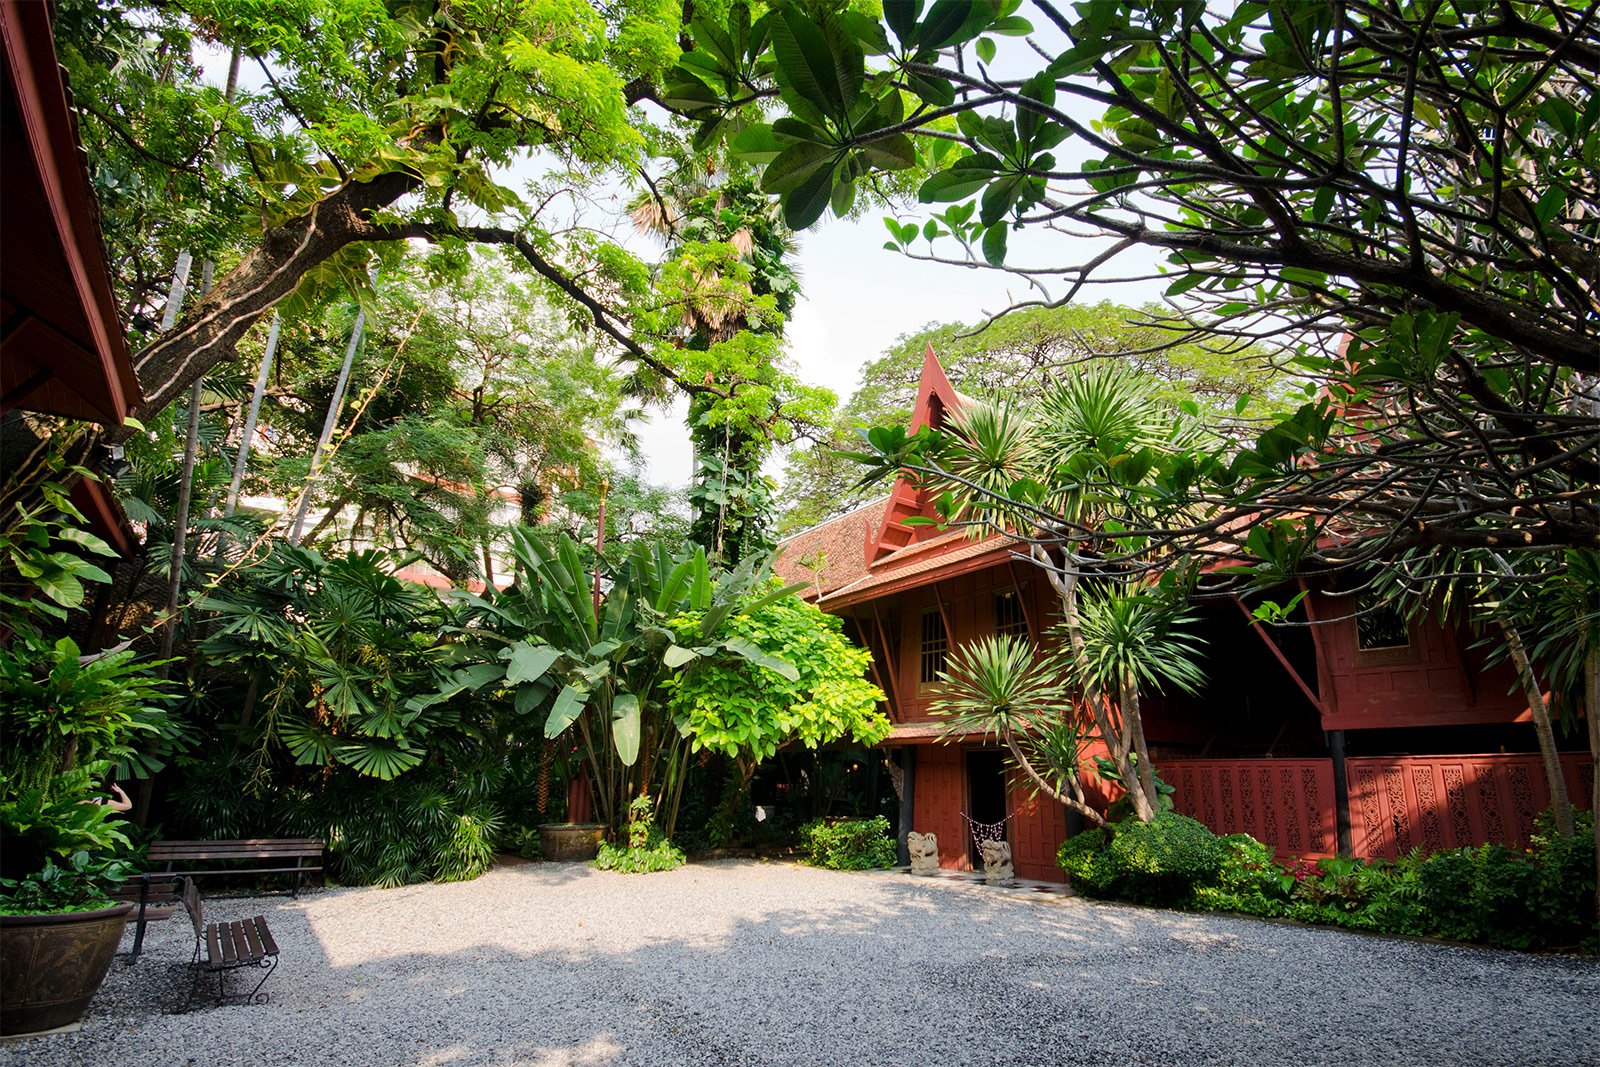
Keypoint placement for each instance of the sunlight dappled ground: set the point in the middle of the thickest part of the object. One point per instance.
(763, 963)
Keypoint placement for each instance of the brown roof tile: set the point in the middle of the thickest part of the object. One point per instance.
(839, 545)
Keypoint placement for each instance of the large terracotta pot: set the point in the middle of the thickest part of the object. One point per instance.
(571, 841)
(51, 965)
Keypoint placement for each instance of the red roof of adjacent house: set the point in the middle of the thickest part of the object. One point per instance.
(64, 351)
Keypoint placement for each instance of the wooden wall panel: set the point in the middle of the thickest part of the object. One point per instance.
(1038, 826)
(1431, 682)
(1285, 803)
(1437, 802)
(940, 794)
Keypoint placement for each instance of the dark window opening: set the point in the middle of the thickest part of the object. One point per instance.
(1379, 624)
(934, 649)
(1009, 618)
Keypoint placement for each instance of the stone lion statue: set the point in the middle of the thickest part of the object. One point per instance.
(924, 849)
(997, 869)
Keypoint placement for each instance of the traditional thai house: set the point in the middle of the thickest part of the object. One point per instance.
(1354, 733)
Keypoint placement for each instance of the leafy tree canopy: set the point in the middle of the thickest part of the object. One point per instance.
(1397, 195)
(1019, 355)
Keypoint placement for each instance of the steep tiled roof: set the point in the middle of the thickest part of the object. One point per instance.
(925, 560)
(873, 550)
(840, 545)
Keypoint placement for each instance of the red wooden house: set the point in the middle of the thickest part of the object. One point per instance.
(62, 345)
(1365, 737)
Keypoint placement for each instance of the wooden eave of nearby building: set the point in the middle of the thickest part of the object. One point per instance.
(62, 345)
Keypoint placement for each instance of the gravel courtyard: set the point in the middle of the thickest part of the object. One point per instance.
(765, 963)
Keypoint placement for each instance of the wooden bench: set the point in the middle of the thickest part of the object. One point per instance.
(279, 849)
(228, 946)
(273, 850)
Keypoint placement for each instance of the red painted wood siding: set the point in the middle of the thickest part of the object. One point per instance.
(968, 604)
(940, 795)
(1438, 802)
(1286, 803)
(1434, 681)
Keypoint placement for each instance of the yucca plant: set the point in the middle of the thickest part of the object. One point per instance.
(1133, 639)
(1001, 686)
(1056, 474)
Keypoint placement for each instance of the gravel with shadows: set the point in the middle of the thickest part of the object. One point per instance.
(743, 962)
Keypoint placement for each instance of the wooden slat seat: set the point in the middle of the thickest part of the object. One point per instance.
(228, 946)
(173, 852)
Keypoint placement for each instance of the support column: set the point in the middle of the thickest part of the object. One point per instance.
(1341, 792)
(908, 803)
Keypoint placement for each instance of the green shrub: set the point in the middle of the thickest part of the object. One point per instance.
(660, 855)
(1155, 862)
(1248, 881)
(1562, 891)
(648, 849)
(1082, 856)
(1161, 861)
(1537, 899)
(850, 845)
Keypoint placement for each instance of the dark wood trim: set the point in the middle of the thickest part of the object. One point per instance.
(1027, 614)
(908, 803)
(1261, 632)
(891, 664)
(34, 82)
(1341, 793)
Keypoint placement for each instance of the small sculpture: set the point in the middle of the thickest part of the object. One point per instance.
(997, 869)
(924, 849)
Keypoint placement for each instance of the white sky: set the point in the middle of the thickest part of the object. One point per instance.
(858, 297)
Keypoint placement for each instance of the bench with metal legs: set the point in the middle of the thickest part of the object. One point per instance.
(223, 947)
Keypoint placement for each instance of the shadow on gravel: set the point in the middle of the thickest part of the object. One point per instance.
(749, 964)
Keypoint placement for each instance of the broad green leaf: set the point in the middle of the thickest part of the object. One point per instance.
(568, 706)
(677, 656)
(625, 722)
(757, 144)
(805, 205)
(748, 651)
(891, 153)
(828, 77)
(797, 164)
(994, 244)
(529, 662)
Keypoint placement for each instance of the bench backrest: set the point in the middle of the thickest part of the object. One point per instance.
(191, 903)
(259, 848)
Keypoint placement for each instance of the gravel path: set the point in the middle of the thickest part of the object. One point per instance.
(742, 962)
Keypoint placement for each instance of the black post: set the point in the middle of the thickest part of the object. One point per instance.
(1074, 822)
(908, 806)
(1341, 792)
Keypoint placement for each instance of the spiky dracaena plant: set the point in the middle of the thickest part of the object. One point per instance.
(1133, 639)
(1000, 685)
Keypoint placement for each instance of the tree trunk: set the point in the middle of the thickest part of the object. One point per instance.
(216, 323)
(1076, 804)
(1560, 803)
(1134, 724)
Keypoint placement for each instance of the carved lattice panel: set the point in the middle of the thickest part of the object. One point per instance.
(1435, 802)
(1287, 803)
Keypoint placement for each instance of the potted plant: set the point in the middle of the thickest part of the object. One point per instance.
(59, 927)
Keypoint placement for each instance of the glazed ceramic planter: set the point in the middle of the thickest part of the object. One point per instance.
(52, 965)
(571, 842)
